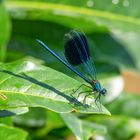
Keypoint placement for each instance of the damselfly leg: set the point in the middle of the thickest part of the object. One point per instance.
(74, 91)
(98, 99)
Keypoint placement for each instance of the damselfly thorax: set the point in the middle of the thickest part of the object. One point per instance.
(97, 87)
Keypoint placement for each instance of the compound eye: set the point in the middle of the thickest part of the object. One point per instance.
(104, 91)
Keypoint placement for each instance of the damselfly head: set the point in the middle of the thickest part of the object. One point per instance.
(76, 48)
(103, 92)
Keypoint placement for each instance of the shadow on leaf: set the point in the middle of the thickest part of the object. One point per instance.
(71, 99)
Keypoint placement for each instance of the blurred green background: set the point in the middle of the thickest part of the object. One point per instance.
(113, 31)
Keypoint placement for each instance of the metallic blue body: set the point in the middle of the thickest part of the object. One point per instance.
(97, 86)
(77, 47)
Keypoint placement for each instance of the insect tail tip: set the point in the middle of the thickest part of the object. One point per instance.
(38, 40)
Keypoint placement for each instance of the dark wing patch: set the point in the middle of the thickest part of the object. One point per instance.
(76, 48)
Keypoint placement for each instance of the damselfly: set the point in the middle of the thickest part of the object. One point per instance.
(77, 53)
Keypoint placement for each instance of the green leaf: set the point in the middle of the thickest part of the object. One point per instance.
(11, 133)
(43, 123)
(32, 119)
(5, 28)
(130, 41)
(83, 130)
(26, 84)
(127, 105)
(118, 127)
(92, 19)
(7, 121)
(11, 112)
(49, 118)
